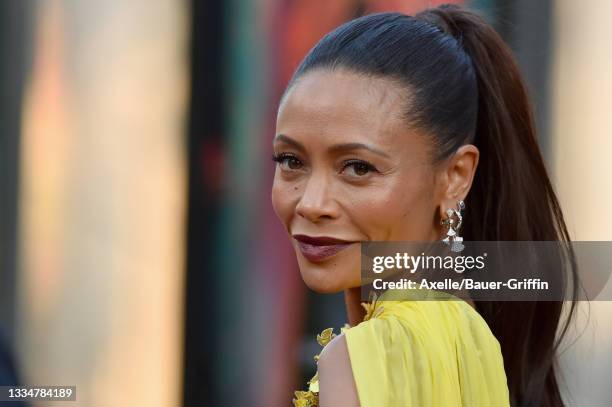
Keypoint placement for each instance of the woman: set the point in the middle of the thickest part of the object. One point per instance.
(389, 122)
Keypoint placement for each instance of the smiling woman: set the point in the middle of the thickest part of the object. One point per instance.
(389, 124)
(342, 156)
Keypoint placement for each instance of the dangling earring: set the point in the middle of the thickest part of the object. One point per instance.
(453, 222)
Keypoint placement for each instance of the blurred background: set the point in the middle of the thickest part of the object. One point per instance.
(140, 258)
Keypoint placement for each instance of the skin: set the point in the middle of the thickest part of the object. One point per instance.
(349, 167)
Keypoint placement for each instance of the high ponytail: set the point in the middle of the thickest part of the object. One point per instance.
(511, 199)
(464, 86)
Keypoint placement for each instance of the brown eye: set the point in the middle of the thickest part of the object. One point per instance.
(361, 169)
(357, 168)
(288, 162)
(293, 163)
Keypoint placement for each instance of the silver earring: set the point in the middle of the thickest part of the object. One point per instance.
(453, 222)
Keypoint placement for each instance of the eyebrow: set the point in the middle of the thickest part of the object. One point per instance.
(335, 148)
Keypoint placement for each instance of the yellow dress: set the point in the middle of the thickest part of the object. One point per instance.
(435, 352)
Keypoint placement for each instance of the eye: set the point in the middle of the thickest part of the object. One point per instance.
(358, 168)
(287, 162)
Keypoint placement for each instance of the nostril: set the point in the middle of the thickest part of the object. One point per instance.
(315, 202)
(314, 213)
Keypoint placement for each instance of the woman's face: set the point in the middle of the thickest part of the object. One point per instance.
(349, 170)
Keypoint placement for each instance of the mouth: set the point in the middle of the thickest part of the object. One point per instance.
(318, 249)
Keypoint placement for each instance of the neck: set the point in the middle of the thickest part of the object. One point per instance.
(354, 310)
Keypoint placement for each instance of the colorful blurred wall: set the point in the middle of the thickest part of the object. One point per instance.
(102, 201)
(581, 139)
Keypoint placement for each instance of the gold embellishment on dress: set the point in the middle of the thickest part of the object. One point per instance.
(326, 336)
(313, 384)
(372, 309)
(310, 397)
(305, 399)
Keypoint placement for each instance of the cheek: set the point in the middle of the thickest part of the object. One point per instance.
(283, 200)
(399, 211)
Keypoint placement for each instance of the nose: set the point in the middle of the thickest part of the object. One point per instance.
(316, 203)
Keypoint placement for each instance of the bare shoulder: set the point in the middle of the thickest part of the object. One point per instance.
(336, 381)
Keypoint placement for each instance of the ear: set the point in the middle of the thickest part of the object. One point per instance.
(456, 177)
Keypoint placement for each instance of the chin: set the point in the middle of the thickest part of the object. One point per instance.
(328, 278)
(323, 287)
(333, 275)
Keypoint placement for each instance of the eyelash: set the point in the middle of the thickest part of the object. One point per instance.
(280, 158)
(369, 167)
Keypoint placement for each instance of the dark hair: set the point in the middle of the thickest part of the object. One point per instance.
(464, 86)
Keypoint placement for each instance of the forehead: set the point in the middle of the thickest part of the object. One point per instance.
(342, 103)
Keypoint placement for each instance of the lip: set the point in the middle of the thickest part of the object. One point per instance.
(320, 248)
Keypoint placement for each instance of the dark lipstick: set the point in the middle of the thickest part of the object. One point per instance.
(317, 249)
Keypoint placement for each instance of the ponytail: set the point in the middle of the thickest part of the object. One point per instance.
(463, 86)
(511, 199)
